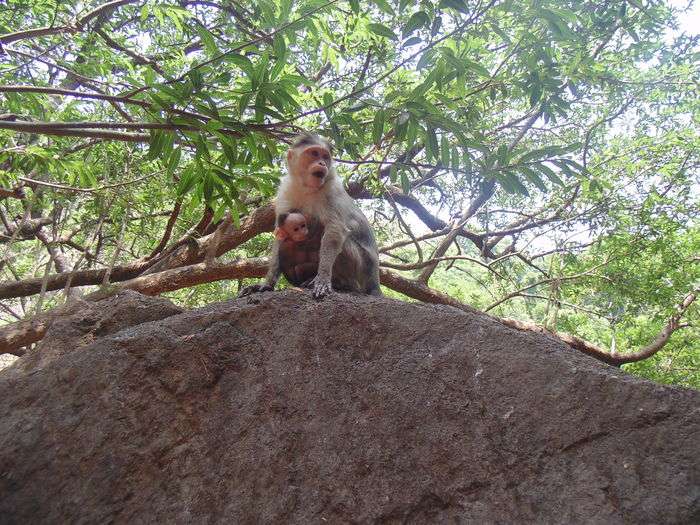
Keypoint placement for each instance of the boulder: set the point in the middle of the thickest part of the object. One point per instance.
(282, 409)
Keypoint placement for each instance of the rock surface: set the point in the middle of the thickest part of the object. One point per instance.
(282, 409)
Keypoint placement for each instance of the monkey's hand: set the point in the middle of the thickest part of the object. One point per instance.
(321, 287)
(255, 288)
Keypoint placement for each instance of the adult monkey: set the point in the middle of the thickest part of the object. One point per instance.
(348, 258)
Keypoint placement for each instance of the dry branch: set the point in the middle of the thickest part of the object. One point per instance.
(17, 335)
(31, 127)
(15, 193)
(168, 231)
(259, 221)
(74, 94)
(70, 29)
(27, 287)
(14, 336)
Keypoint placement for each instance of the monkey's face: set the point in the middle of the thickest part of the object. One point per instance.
(311, 163)
(294, 228)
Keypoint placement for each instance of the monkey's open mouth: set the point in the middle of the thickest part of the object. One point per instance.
(318, 173)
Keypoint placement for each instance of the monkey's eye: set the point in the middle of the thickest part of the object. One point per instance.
(326, 157)
(314, 153)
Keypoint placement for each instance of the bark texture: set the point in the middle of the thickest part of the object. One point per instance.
(282, 409)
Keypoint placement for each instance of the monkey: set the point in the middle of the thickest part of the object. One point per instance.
(291, 227)
(299, 244)
(348, 256)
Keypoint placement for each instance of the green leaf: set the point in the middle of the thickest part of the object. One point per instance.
(416, 21)
(378, 127)
(202, 150)
(549, 173)
(445, 151)
(564, 167)
(384, 6)
(512, 184)
(355, 6)
(196, 78)
(221, 210)
(393, 172)
(207, 186)
(155, 142)
(431, 145)
(535, 94)
(457, 5)
(167, 144)
(327, 99)
(278, 67)
(243, 63)
(467, 163)
(188, 179)
(401, 125)
(454, 158)
(261, 70)
(534, 154)
(382, 30)
(243, 103)
(426, 59)
(405, 184)
(174, 161)
(412, 41)
(207, 40)
(279, 46)
(533, 177)
(411, 132)
(213, 125)
(557, 24)
(86, 178)
(502, 155)
(235, 214)
(475, 66)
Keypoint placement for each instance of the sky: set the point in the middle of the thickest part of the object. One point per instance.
(689, 22)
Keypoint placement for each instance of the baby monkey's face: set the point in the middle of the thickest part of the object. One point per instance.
(294, 228)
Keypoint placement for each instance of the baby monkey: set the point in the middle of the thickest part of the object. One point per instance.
(299, 244)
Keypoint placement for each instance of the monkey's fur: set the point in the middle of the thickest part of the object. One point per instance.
(348, 258)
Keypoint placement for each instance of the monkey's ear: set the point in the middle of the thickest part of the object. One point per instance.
(290, 154)
(280, 234)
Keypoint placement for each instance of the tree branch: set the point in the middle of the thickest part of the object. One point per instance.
(671, 326)
(8, 38)
(72, 93)
(168, 231)
(29, 127)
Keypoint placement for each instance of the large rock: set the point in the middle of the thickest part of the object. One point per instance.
(353, 409)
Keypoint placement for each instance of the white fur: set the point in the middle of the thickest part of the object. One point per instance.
(292, 193)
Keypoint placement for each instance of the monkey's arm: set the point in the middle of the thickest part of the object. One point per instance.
(273, 270)
(273, 274)
(332, 243)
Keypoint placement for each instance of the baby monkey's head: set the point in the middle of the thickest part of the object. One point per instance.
(292, 226)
